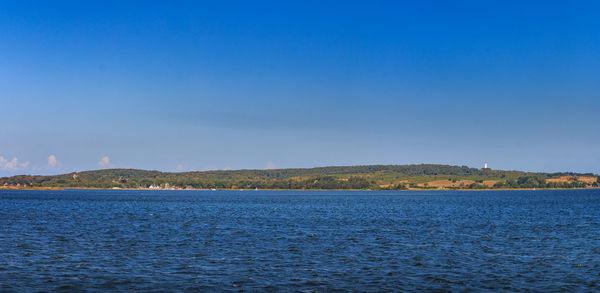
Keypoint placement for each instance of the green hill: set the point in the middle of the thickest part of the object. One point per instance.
(391, 177)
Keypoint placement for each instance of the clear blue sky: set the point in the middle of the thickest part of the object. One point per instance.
(214, 85)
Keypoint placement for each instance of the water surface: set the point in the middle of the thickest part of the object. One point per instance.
(297, 241)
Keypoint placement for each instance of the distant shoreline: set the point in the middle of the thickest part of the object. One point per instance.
(415, 189)
(367, 177)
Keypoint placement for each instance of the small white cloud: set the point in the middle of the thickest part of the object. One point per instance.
(270, 165)
(53, 162)
(180, 167)
(104, 162)
(12, 165)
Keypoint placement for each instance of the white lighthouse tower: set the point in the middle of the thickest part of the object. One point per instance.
(485, 165)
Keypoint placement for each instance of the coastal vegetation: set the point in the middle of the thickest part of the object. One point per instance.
(373, 177)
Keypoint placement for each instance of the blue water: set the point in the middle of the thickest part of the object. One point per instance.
(299, 241)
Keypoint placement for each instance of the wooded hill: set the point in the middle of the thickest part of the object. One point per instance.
(376, 177)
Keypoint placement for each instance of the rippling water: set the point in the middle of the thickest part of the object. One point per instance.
(298, 241)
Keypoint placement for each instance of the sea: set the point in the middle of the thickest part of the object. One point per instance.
(299, 241)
